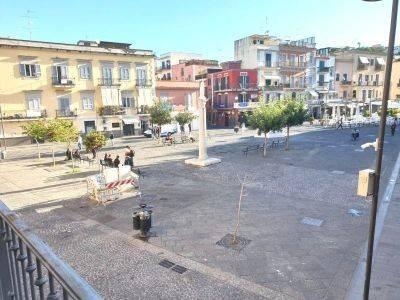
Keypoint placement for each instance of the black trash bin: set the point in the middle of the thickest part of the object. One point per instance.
(141, 220)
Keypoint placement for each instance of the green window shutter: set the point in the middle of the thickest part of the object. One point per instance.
(37, 69)
(22, 69)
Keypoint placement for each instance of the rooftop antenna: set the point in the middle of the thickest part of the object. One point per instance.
(29, 22)
(266, 25)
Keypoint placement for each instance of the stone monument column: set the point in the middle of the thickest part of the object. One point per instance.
(203, 159)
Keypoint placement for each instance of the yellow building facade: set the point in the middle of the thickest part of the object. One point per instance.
(395, 81)
(100, 86)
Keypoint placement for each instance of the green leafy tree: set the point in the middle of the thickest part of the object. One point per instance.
(294, 113)
(94, 141)
(184, 118)
(61, 131)
(267, 118)
(37, 131)
(160, 114)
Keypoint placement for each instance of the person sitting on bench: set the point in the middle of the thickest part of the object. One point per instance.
(169, 139)
(116, 161)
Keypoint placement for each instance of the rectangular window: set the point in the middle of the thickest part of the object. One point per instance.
(85, 70)
(29, 70)
(124, 72)
(369, 94)
(87, 102)
(345, 77)
(359, 78)
(337, 76)
(127, 99)
(33, 102)
(268, 59)
(344, 94)
(115, 125)
(364, 95)
(354, 94)
(366, 78)
(182, 72)
(141, 75)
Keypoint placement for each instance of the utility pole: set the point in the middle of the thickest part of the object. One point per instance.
(2, 130)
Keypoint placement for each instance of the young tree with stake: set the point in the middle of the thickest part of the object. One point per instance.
(294, 113)
(266, 118)
(160, 114)
(184, 118)
(37, 131)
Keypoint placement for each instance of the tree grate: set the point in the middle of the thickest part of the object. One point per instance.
(226, 242)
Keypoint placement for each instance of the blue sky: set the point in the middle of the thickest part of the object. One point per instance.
(208, 27)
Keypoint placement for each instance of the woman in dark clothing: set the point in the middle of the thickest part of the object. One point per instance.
(116, 162)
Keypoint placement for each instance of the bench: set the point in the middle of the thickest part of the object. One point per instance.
(251, 148)
(277, 142)
(86, 158)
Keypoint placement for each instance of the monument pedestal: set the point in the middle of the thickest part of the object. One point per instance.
(202, 162)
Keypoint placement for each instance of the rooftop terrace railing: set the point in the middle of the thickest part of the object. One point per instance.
(29, 269)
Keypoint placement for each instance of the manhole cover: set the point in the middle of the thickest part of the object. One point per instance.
(240, 244)
(338, 172)
(312, 221)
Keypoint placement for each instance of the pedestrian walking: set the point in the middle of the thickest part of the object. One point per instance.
(393, 128)
(80, 142)
(112, 139)
(340, 124)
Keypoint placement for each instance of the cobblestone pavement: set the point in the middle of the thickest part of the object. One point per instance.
(195, 208)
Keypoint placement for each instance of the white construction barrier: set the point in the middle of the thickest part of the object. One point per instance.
(110, 184)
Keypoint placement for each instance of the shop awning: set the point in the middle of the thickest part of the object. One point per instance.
(272, 77)
(380, 61)
(128, 121)
(364, 60)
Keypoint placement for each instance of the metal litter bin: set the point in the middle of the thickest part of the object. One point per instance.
(141, 220)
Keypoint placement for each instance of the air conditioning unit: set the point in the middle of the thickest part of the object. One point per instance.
(64, 81)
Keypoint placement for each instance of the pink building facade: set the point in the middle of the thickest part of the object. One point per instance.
(187, 70)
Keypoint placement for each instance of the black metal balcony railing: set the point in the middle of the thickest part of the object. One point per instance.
(277, 87)
(63, 81)
(66, 112)
(345, 82)
(103, 81)
(23, 114)
(143, 82)
(112, 110)
(289, 64)
(29, 269)
(323, 69)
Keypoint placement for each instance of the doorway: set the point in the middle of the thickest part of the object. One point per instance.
(89, 126)
(128, 129)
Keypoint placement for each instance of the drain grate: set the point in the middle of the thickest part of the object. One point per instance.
(179, 269)
(312, 221)
(166, 263)
(240, 244)
(170, 265)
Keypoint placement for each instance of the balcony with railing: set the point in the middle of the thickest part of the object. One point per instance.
(63, 82)
(278, 87)
(105, 81)
(66, 113)
(345, 82)
(246, 105)
(29, 269)
(143, 82)
(23, 114)
(292, 64)
(112, 110)
(323, 69)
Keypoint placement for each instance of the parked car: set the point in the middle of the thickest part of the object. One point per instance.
(149, 134)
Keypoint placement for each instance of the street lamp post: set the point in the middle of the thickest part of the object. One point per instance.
(380, 141)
